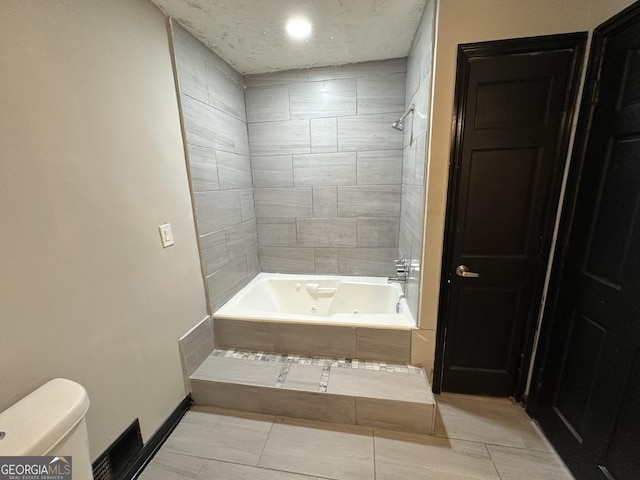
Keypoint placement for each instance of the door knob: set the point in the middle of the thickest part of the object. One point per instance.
(463, 271)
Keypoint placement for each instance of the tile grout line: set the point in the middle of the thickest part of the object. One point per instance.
(488, 444)
(201, 467)
(265, 442)
(258, 467)
(373, 439)
(240, 464)
(495, 467)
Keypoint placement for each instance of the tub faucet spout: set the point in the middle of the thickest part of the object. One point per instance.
(397, 278)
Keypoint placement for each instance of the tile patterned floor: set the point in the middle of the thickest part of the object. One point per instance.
(476, 438)
(326, 363)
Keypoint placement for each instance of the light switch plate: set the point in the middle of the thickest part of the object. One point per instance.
(166, 235)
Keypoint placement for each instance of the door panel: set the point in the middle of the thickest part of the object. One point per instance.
(493, 226)
(589, 391)
(478, 306)
(611, 236)
(522, 101)
(629, 95)
(621, 456)
(510, 149)
(578, 378)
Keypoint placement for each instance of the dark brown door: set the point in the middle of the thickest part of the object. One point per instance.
(589, 399)
(508, 162)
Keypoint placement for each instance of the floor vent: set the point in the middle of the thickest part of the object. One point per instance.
(115, 460)
(102, 469)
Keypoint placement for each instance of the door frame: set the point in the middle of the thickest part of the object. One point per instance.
(583, 131)
(466, 52)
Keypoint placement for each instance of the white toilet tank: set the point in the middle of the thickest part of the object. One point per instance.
(50, 421)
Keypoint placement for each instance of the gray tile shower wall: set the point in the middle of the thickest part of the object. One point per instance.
(418, 92)
(215, 130)
(327, 167)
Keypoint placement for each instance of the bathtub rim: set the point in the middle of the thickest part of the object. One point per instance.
(257, 316)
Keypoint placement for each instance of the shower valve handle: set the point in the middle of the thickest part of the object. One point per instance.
(402, 266)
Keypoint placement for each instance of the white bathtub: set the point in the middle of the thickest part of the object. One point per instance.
(320, 299)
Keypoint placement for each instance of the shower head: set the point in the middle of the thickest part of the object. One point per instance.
(399, 124)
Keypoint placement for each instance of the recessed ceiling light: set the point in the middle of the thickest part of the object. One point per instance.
(298, 28)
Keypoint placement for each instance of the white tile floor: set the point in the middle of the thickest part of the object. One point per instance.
(476, 438)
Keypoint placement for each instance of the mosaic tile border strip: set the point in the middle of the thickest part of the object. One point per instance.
(325, 363)
(318, 361)
(324, 378)
(282, 377)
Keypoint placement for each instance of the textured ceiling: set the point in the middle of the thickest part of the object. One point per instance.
(250, 34)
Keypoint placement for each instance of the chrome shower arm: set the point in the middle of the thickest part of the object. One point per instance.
(410, 110)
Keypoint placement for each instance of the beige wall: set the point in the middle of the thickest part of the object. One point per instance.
(602, 10)
(91, 162)
(465, 21)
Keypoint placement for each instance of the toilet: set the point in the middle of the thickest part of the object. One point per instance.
(50, 421)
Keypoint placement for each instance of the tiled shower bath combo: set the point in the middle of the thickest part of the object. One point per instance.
(301, 173)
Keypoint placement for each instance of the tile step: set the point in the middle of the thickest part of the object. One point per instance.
(349, 391)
